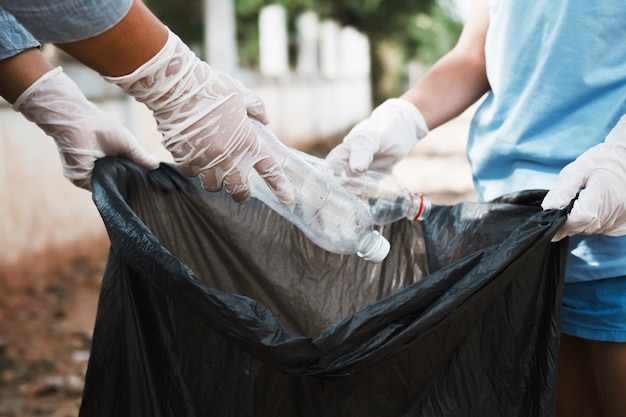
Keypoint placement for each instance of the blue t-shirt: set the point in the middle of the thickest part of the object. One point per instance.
(557, 71)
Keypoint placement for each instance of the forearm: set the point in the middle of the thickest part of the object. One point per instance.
(449, 88)
(119, 51)
(459, 78)
(18, 72)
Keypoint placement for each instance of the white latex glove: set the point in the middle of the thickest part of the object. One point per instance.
(600, 175)
(383, 139)
(82, 132)
(202, 114)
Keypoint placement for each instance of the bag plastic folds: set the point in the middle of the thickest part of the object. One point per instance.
(210, 308)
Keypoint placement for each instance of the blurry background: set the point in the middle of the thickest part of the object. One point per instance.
(319, 65)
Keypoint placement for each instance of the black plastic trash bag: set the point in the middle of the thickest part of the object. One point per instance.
(210, 308)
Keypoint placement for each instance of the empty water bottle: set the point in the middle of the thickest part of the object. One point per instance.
(386, 197)
(330, 216)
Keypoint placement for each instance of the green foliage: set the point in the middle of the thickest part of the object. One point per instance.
(414, 29)
(247, 12)
(431, 35)
(406, 30)
(184, 17)
(427, 37)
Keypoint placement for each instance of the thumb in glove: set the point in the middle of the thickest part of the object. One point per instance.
(598, 176)
(203, 115)
(383, 139)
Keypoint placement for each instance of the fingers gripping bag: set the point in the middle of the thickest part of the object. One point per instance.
(211, 308)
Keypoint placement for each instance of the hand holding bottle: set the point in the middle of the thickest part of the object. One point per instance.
(331, 217)
(202, 114)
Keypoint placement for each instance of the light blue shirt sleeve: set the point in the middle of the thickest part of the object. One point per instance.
(14, 38)
(60, 21)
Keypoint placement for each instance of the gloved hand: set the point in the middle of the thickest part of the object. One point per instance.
(383, 139)
(82, 132)
(202, 114)
(600, 176)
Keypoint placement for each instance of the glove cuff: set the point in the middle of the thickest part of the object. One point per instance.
(35, 87)
(411, 113)
(157, 83)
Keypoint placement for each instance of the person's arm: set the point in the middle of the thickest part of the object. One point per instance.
(20, 71)
(81, 131)
(459, 78)
(202, 113)
(122, 49)
(454, 83)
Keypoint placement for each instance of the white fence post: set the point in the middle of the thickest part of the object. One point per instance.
(220, 37)
(273, 42)
(308, 45)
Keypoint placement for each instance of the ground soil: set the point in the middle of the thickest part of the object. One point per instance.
(46, 323)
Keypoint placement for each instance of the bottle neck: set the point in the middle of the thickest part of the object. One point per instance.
(419, 207)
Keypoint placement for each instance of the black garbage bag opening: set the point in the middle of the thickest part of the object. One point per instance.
(210, 308)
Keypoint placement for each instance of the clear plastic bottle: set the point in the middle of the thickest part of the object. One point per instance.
(386, 197)
(330, 216)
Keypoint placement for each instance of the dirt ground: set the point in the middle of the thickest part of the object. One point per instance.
(46, 323)
(48, 301)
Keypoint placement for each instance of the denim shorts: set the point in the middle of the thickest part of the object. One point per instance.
(595, 309)
(56, 21)
(14, 38)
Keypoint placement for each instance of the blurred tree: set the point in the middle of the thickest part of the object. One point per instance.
(184, 17)
(399, 31)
